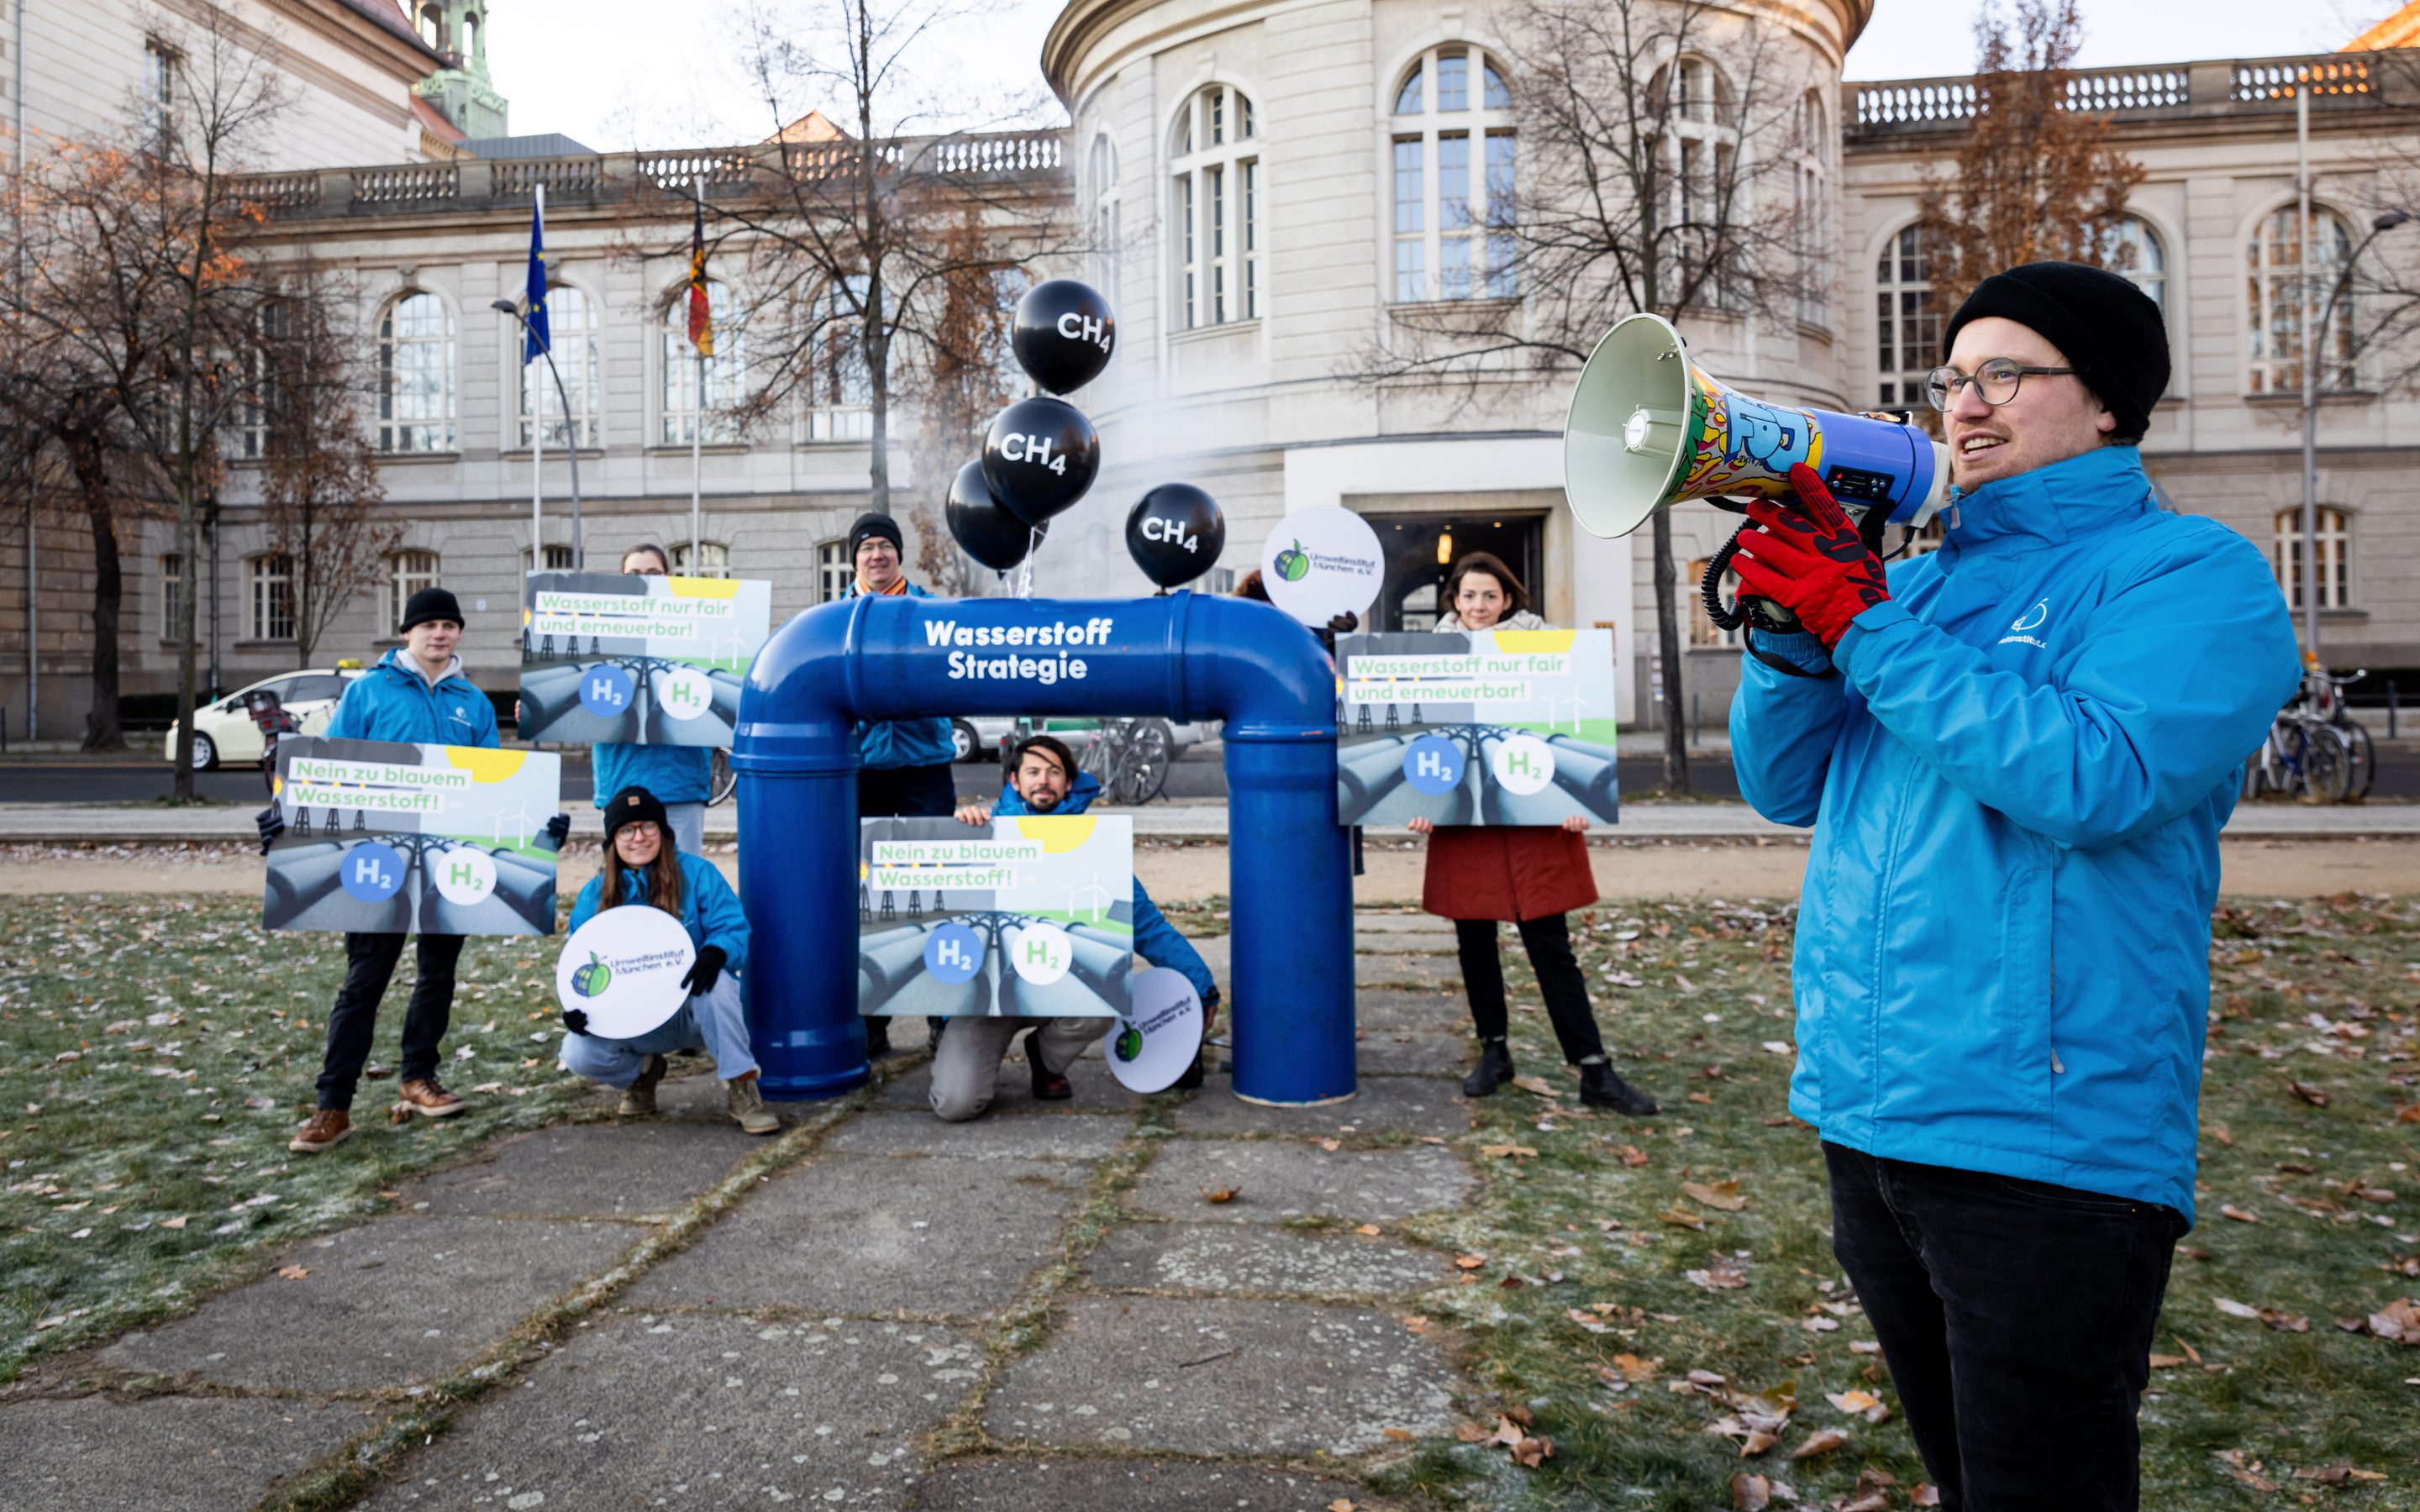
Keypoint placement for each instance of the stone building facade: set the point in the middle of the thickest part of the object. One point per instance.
(1268, 184)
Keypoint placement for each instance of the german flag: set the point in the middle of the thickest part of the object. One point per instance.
(700, 309)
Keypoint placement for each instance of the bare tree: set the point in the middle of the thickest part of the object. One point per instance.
(137, 276)
(959, 383)
(844, 222)
(2033, 180)
(318, 476)
(1658, 143)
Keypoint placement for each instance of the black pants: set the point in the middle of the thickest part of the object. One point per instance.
(2016, 1319)
(906, 791)
(369, 963)
(1548, 940)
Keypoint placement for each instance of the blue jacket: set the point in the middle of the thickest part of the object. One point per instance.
(2016, 783)
(1155, 939)
(674, 774)
(392, 701)
(709, 909)
(885, 744)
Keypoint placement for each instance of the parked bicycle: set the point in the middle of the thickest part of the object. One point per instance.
(1131, 757)
(2317, 751)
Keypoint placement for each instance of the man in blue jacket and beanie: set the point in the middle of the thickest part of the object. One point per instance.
(416, 693)
(1041, 779)
(903, 766)
(2016, 752)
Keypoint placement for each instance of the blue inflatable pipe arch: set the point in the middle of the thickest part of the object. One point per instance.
(1183, 656)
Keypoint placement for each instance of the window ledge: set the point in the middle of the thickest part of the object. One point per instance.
(1452, 306)
(390, 458)
(2294, 401)
(1232, 327)
(521, 454)
(262, 646)
(709, 449)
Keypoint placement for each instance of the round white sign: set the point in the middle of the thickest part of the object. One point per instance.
(683, 692)
(623, 968)
(1523, 765)
(465, 875)
(1150, 1047)
(1321, 561)
(1041, 953)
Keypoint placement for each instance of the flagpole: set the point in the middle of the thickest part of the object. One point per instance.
(537, 426)
(697, 427)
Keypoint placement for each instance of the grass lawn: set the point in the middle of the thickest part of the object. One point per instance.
(155, 1055)
(1655, 1291)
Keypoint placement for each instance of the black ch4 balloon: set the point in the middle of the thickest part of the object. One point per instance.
(1039, 457)
(1064, 334)
(983, 529)
(1174, 533)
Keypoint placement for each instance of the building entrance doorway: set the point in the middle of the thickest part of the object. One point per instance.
(1421, 549)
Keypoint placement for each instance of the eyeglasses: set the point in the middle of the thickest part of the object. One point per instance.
(642, 828)
(1996, 380)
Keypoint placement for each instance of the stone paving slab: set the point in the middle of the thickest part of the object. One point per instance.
(1441, 1007)
(996, 1484)
(702, 1412)
(1096, 1091)
(392, 1303)
(642, 1168)
(1192, 1257)
(1385, 1052)
(1223, 1375)
(1283, 1178)
(872, 1233)
(167, 1454)
(1406, 1105)
(920, 1133)
(1398, 968)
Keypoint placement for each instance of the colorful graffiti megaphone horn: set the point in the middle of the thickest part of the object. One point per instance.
(1648, 429)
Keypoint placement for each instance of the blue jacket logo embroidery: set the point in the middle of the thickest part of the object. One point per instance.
(2030, 620)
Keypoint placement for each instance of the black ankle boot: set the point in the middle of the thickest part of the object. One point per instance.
(1600, 1088)
(878, 1038)
(1495, 1069)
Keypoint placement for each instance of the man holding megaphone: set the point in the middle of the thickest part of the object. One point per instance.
(2017, 754)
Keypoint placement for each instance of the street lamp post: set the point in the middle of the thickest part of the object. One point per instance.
(571, 437)
(2314, 353)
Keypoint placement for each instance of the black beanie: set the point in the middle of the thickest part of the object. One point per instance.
(632, 804)
(869, 525)
(2110, 332)
(429, 604)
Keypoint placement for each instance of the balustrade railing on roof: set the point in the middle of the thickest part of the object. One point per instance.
(2335, 80)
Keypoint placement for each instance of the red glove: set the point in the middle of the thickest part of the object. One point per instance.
(1810, 560)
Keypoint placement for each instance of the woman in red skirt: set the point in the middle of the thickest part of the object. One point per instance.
(1480, 875)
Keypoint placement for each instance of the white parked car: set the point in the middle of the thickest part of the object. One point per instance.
(223, 732)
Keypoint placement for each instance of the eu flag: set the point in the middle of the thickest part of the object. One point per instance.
(537, 338)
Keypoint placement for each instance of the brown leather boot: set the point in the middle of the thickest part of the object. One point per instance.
(747, 1104)
(428, 1099)
(639, 1098)
(328, 1126)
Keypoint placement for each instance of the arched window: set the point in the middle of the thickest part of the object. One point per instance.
(1699, 142)
(273, 328)
(713, 560)
(2335, 556)
(557, 558)
(571, 324)
(1216, 209)
(1454, 179)
(271, 580)
(840, 388)
(416, 375)
(1812, 211)
(1101, 185)
(407, 572)
(2133, 249)
(835, 571)
(2280, 282)
(1907, 334)
(683, 415)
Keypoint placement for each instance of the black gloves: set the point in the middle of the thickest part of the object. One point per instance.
(707, 971)
(271, 823)
(558, 829)
(576, 1020)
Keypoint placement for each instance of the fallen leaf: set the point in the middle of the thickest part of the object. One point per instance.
(1750, 1493)
(293, 1273)
(2313, 1096)
(1339, 1504)
(1632, 1155)
(1222, 1194)
(1681, 1216)
(1821, 1442)
(2340, 1473)
(2233, 1308)
(1538, 1085)
(1331, 1146)
(1472, 1433)
(1863, 1404)
(1370, 1230)
(1634, 1369)
(1722, 1195)
(1506, 1152)
(2248, 1471)
(2398, 1322)
(2242, 1215)
(1723, 1275)
(1925, 1494)
(178, 1222)
(1399, 1435)
(1470, 1262)
(2166, 1361)
(1699, 1097)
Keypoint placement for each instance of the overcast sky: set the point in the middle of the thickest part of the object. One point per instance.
(620, 73)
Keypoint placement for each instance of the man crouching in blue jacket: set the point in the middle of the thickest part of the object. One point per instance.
(2017, 754)
(1041, 779)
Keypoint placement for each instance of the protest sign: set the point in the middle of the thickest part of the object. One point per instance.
(1029, 916)
(1476, 727)
(642, 661)
(389, 836)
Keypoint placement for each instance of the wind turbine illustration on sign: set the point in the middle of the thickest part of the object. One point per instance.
(1099, 895)
(1554, 710)
(519, 819)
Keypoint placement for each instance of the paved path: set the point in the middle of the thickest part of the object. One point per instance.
(1039, 1309)
(141, 823)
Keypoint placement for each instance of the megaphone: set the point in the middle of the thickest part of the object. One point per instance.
(1648, 429)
